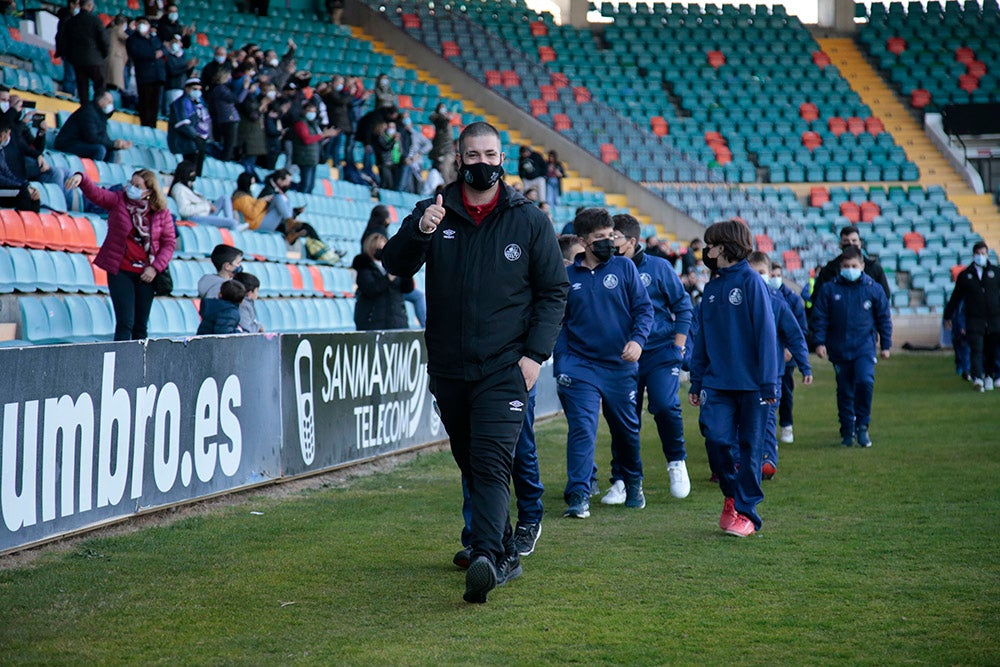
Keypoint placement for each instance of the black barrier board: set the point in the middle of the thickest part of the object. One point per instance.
(90, 433)
(349, 397)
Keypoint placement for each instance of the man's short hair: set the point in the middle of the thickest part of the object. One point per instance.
(224, 254)
(627, 225)
(589, 220)
(733, 236)
(477, 129)
(232, 291)
(758, 257)
(978, 246)
(567, 241)
(777, 266)
(851, 252)
(850, 229)
(248, 280)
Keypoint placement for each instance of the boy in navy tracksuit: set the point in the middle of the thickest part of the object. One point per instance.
(734, 369)
(791, 345)
(660, 363)
(608, 317)
(849, 313)
(798, 308)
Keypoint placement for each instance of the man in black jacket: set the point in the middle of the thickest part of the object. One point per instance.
(978, 286)
(145, 50)
(83, 42)
(532, 168)
(85, 132)
(496, 290)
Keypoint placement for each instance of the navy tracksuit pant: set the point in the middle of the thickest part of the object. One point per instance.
(770, 445)
(855, 385)
(733, 423)
(787, 400)
(527, 481)
(586, 389)
(483, 419)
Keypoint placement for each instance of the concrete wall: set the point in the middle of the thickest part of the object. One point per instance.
(606, 178)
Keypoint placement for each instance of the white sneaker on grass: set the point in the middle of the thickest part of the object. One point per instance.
(680, 483)
(988, 384)
(977, 384)
(787, 436)
(616, 494)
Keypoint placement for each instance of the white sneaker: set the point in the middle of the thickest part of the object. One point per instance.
(615, 495)
(977, 384)
(786, 435)
(680, 483)
(988, 384)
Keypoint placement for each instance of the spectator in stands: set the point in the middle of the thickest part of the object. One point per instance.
(385, 97)
(228, 261)
(978, 288)
(335, 8)
(139, 245)
(25, 152)
(210, 72)
(379, 297)
(71, 9)
(851, 314)
(378, 223)
(544, 207)
(554, 173)
(145, 51)
(169, 28)
(443, 143)
(435, 180)
(221, 316)
(190, 125)
(15, 192)
(274, 111)
(387, 155)
(690, 258)
(178, 70)
(251, 208)
(338, 106)
(114, 66)
(83, 42)
(248, 307)
(282, 218)
(196, 207)
(413, 146)
(251, 136)
(307, 139)
(850, 236)
(531, 194)
(531, 167)
(274, 70)
(369, 128)
(85, 132)
(222, 101)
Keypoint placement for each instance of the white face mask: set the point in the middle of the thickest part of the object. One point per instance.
(272, 94)
(273, 62)
(108, 109)
(4, 106)
(76, 10)
(132, 192)
(175, 48)
(3, 144)
(980, 260)
(774, 282)
(143, 28)
(220, 59)
(173, 16)
(195, 95)
(391, 131)
(311, 115)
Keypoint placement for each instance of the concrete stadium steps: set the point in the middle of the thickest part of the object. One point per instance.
(573, 182)
(934, 167)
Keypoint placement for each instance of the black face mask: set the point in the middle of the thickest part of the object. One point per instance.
(480, 176)
(378, 254)
(603, 249)
(711, 263)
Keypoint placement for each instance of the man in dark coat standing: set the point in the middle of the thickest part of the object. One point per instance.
(83, 42)
(146, 53)
(978, 287)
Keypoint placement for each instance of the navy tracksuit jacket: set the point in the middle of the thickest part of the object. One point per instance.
(792, 338)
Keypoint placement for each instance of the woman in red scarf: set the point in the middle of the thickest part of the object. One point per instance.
(139, 244)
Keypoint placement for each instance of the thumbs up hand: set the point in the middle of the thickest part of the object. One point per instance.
(432, 216)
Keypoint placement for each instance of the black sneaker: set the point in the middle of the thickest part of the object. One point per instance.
(525, 537)
(463, 558)
(480, 579)
(509, 569)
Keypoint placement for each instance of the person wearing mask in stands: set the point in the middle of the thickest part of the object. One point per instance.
(196, 207)
(307, 139)
(146, 53)
(25, 152)
(281, 218)
(15, 192)
(338, 105)
(114, 66)
(555, 172)
(532, 169)
(385, 97)
(210, 72)
(83, 42)
(139, 245)
(169, 27)
(179, 69)
(190, 127)
(379, 304)
(71, 9)
(85, 132)
(222, 101)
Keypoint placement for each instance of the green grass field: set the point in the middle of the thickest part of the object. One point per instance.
(880, 556)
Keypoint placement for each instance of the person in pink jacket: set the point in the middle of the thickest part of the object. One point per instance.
(139, 244)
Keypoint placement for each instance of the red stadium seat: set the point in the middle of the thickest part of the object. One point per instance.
(549, 93)
(895, 45)
(716, 59)
(546, 54)
(538, 107)
(913, 241)
(12, 231)
(560, 80)
(964, 55)
(659, 126)
(561, 122)
(818, 196)
(920, 98)
(405, 102)
(869, 211)
(855, 125)
(33, 233)
(297, 283)
(492, 78)
(968, 83)
(808, 111)
(411, 21)
(836, 125)
(539, 29)
(764, 243)
(820, 59)
(791, 260)
(52, 232)
(581, 94)
(851, 211)
(812, 140)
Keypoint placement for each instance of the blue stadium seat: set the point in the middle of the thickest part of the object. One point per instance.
(34, 321)
(6, 272)
(25, 274)
(101, 316)
(81, 319)
(47, 277)
(60, 326)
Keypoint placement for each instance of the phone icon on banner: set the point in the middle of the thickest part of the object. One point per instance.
(304, 401)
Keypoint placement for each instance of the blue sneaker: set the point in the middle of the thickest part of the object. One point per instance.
(634, 497)
(579, 506)
(863, 439)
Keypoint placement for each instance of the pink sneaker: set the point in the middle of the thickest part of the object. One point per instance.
(768, 470)
(740, 527)
(728, 514)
